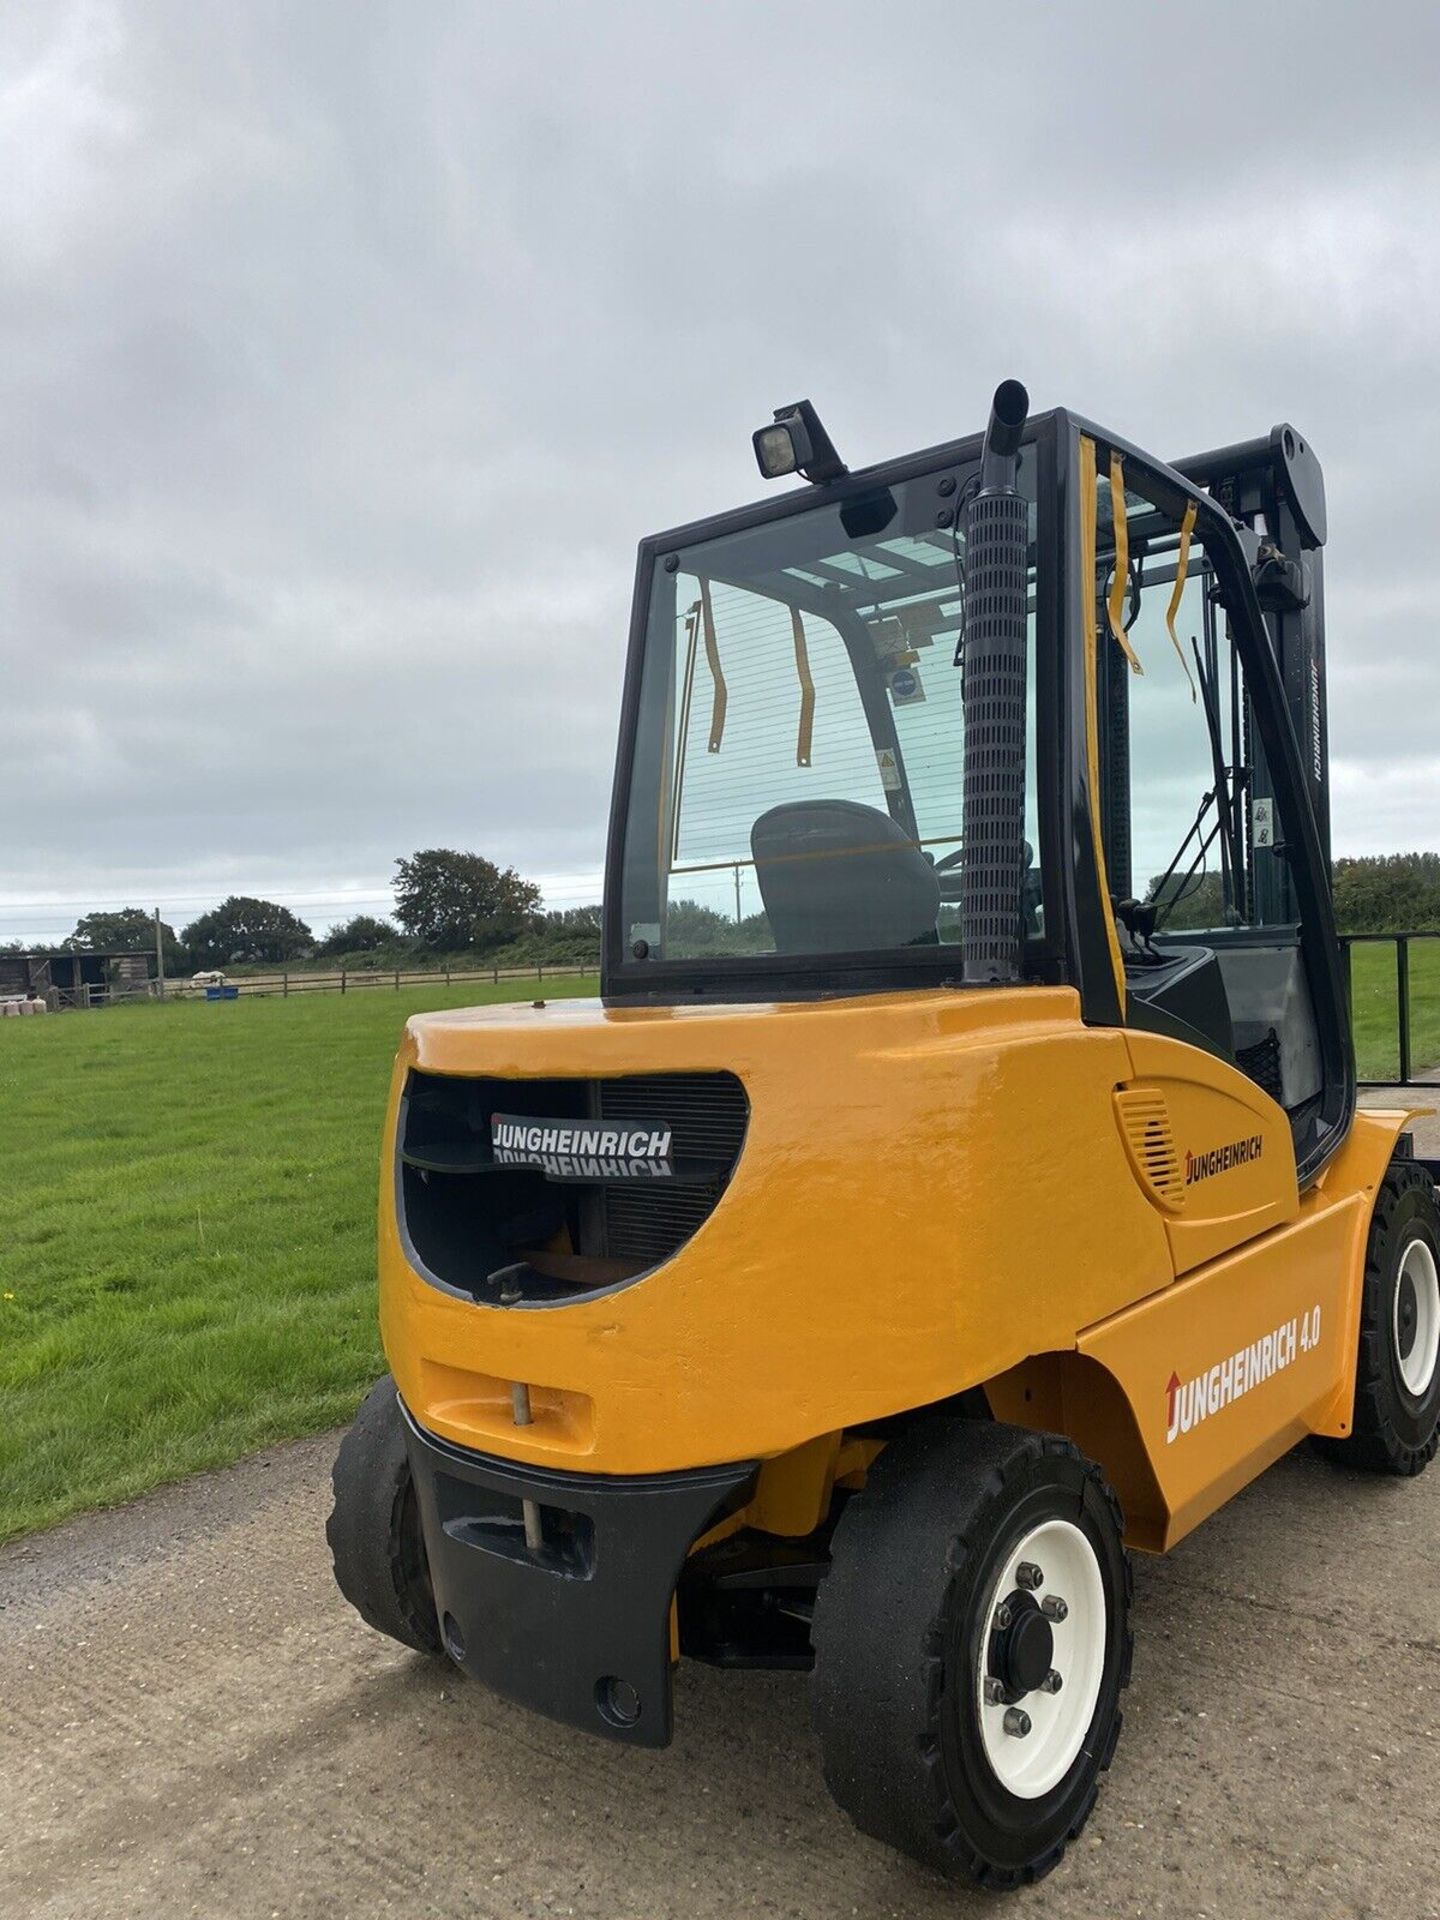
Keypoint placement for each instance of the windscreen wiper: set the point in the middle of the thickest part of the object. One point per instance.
(1226, 823)
(1163, 907)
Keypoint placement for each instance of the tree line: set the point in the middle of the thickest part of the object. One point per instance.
(447, 904)
(450, 903)
(1378, 893)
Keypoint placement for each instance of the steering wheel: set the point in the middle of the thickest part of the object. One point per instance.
(951, 861)
(954, 859)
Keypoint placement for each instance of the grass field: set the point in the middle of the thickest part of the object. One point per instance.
(187, 1201)
(187, 1230)
(1373, 1005)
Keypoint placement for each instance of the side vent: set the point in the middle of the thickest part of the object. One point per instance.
(1150, 1142)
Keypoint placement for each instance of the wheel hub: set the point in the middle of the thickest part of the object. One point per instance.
(1407, 1315)
(1040, 1661)
(1415, 1325)
(1021, 1652)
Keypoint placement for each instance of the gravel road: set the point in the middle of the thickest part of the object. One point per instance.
(192, 1723)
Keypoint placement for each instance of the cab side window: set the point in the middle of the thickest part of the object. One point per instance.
(1193, 823)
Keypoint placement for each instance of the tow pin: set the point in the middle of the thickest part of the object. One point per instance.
(530, 1509)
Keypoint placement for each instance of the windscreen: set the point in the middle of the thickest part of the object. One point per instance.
(800, 741)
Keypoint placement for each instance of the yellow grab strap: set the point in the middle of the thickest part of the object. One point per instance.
(1121, 582)
(712, 656)
(1182, 563)
(1089, 509)
(807, 690)
(692, 648)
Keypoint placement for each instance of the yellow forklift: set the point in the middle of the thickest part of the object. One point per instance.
(959, 1181)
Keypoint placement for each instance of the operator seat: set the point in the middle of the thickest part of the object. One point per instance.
(839, 877)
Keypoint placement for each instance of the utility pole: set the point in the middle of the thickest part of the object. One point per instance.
(159, 958)
(737, 893)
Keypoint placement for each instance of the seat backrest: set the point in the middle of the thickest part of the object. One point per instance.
(839, 877)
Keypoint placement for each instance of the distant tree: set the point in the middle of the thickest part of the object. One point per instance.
(1388, 893)
(569, 933)
(243, 929)
(692, 930)
(453, 900)
(572, 920)
(363, 934)
(1188, 904)
(126, 930)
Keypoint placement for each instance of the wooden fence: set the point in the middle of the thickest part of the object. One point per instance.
(367, 979)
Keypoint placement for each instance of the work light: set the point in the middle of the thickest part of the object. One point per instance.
(783, 448)
(797, 443)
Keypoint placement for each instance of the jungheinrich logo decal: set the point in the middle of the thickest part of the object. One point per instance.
(1189, 1402)
(1236, 1153)
(583, 1149)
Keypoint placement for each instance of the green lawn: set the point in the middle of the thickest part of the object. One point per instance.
(1373, 997)
(187, 1229)
(187, 1199)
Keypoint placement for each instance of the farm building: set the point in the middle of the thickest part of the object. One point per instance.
(65, 979)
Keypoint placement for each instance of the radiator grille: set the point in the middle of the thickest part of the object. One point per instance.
(1145, 1123)
(708, 1113)
(493, 1230)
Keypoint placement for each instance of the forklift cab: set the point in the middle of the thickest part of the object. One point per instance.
(799, 749)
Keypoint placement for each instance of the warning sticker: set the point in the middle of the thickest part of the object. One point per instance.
(889, 771)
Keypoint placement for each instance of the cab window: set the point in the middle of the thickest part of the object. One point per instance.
(800, 753)
(1195, 828)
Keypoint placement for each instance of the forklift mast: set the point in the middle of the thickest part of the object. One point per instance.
(1276, 490)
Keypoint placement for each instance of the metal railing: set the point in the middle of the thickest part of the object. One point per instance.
(285, 981)
(1404, 1033)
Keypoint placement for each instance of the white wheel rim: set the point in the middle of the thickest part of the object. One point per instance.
(1032, 1764)
(1419, 1286)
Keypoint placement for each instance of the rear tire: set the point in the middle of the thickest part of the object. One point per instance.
(374, 1528)
(914, 1679)
(1395, 1427)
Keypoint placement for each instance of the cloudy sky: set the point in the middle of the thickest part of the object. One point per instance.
(349, 348)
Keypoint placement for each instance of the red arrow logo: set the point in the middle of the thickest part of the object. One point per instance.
(1172, 1387)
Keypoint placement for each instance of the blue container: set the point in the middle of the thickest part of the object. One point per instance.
(222, 993)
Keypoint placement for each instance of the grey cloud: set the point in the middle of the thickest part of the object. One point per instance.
(346, 353)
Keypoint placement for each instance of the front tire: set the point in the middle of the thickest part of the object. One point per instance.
(374, 1529)
(1396, 1423)
(939, 1643)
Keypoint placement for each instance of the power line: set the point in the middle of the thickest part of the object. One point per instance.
(49, 922)
(189, 899)
(61, 905)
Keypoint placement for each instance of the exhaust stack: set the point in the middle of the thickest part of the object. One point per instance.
(993, 698)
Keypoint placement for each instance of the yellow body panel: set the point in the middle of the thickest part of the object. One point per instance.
(1217, 1113)
(939, 1190)
(1229, 1368)
(932, 1185)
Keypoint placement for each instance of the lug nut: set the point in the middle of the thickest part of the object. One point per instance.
(994, 1693)
(1053, 1607)
(1003, 1617)
(1029, 1576)
(1017, 1721)
(1052, 1682)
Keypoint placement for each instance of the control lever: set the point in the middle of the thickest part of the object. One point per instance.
(1139, 923)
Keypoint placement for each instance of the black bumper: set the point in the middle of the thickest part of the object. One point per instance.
(577, 1627)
